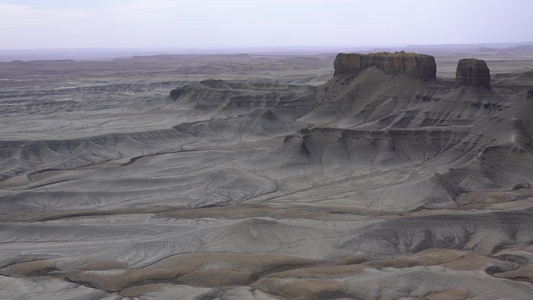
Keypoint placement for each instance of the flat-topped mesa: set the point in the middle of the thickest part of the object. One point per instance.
(418, 66)
(472, 72)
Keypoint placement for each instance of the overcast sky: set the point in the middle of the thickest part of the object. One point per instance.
(30, 24)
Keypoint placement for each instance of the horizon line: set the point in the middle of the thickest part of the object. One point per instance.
(213, 48)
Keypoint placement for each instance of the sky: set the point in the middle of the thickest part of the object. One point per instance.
(223, 24)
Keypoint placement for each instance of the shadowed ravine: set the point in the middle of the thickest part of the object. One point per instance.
(385, 182)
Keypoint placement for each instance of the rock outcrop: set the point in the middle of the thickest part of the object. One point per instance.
(418, 66)
(472, 72)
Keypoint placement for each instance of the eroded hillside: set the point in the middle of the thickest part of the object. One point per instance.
(385, 182)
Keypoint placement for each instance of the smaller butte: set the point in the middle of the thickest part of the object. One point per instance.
(472, 72)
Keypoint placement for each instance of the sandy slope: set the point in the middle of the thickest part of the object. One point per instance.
(374, 187)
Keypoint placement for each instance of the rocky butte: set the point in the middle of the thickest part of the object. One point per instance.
(417, 66)
(472, 72)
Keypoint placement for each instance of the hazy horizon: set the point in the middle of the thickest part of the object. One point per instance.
(235, 24)
(96, 54)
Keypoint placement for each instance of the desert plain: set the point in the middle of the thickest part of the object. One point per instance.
(268, 176)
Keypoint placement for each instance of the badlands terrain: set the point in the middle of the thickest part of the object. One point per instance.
(351, 176)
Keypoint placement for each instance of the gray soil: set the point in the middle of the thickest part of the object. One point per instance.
(263, 177)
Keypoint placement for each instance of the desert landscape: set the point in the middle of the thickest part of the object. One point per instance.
(390, 174)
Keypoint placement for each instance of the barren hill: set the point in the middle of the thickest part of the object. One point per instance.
(385, 182)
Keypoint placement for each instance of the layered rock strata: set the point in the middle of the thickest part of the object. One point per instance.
(418, 66)
(472, 72)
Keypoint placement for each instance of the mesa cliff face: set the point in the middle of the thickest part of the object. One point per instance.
(472, 72)
(418, 66)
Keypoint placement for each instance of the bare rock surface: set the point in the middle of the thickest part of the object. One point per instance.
(195, 178)
(473, 72)
(417, 66)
